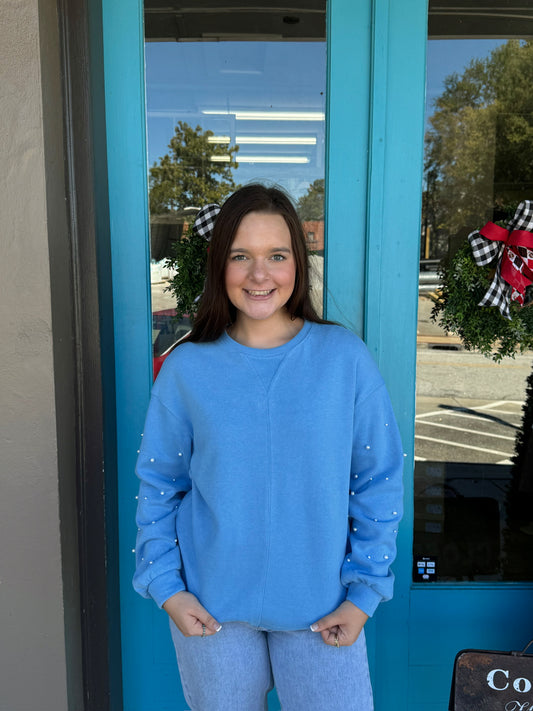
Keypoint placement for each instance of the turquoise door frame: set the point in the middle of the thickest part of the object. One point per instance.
(376, 59)
(375, 153)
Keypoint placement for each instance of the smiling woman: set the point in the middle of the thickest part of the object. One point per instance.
(228, 472)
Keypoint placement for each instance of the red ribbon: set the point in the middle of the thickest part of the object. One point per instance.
(515, 277)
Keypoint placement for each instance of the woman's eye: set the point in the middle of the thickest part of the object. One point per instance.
(238, 257)
(279, 257)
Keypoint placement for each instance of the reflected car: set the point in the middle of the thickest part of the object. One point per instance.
(167, 330)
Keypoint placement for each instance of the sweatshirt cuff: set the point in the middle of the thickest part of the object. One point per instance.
(166, 585)
(364, 597)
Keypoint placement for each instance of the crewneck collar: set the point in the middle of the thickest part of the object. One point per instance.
(268, 352)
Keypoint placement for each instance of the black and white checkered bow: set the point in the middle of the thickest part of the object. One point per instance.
(205, 220)
(486, 250)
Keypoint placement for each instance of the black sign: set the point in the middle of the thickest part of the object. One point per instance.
(492, 681)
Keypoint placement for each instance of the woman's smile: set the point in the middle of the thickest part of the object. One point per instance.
(259, 293)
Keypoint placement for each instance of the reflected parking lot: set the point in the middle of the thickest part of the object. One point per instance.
(455, 430)
(472, 520)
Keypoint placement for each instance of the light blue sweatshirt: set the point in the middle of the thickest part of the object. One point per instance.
(270, 480)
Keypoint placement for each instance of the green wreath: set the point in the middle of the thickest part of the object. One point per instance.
(189, 260)
(463, 285)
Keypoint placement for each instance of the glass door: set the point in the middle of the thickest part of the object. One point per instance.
(473, 490)
(473, 514)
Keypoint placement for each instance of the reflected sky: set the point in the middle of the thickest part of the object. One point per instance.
(212, 84)
(445, 57)
(269, 97)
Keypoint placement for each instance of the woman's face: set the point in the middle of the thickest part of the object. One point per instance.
(261, 270)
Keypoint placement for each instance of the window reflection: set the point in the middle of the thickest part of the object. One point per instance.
(473, 508)
(233, 96)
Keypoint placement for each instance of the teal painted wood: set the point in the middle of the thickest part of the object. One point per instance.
(148, 681)
(348, 88)
(145, 638)
(375, 137)
(376, 163)
(347, 135)
(105, 298)
(399, 32)
(478, 616)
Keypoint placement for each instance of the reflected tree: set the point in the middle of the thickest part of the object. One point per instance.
(196, 171)
(311, 205)
(479, 147)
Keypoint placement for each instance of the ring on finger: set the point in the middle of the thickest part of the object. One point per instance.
(337, 641)
(203, 630)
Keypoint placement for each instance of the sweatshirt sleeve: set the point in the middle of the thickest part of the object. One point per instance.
(375, 501)
(163, 470)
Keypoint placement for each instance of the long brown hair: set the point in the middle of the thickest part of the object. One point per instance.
(215, 310)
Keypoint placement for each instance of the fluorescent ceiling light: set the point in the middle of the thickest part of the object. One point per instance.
(270, 115)
(266, 140)
(272, 159)
(277, 140)
(261, 159)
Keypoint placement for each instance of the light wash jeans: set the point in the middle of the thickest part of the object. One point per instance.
(235, 669)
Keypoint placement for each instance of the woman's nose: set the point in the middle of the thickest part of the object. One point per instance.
(259, 270)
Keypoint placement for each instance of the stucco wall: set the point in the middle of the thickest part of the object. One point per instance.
(33, 665)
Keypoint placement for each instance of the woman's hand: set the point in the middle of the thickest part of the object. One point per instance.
(189, 616)
(343, 626)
